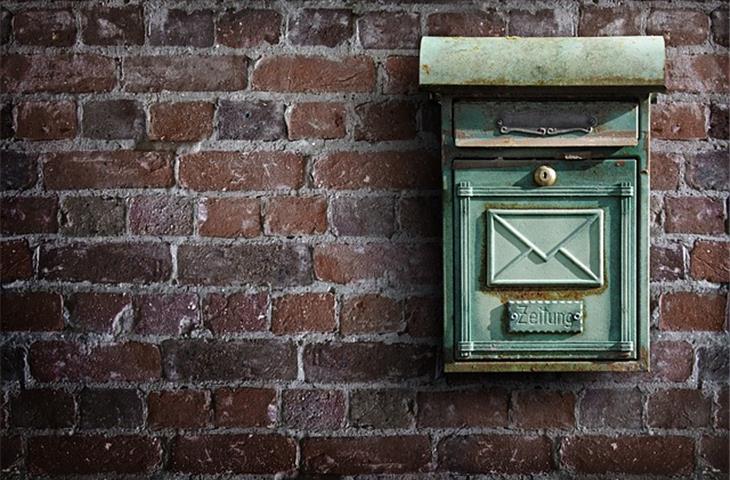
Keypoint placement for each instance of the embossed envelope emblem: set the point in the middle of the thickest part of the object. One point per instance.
(545, 247)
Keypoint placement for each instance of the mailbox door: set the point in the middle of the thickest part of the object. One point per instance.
(545, 272)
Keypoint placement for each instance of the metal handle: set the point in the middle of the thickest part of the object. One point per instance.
(534, 126)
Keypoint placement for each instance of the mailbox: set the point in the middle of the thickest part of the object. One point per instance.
(545, 163)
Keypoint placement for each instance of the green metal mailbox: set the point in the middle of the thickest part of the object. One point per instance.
(545, 161)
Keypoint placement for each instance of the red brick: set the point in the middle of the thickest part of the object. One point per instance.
(46, 120)
(679, 409)
(106, 262)
(711, 261)
(694, 215)
(19, 170)
(31, 311)
(720, 26)
(541, 23)
(237, 312)
(377, 170)
(350, 263)
(113, 25)
(714, 452)
(100, 312)
(176, 27)
(296, 215)
(401, 75)
(171, 314)
(495, 453)
(375, 408)
(364, 362)
(679, 27)
(363, 216)
(249, 264)
(21, 215)
(251, 120)
(241, 171)
(320, 26)
(313, 410)
(598, 21)
(458, 409)
(698, 73)
(709, 170)
(325, 120)
(85, 455)
(423, 316)
(366, 455)
(47, 28)
(472, 23)
(306, 312)
(629, 454)
(314, 74)
(543, 409)
(395, 30)
(17, 261)
(672, 361)
(184, 73)
(248, 28)
(180, 122)
(191, 360)
(244, 407)
(118, 169)
(388, 120)
(679, 121)
(110, 408)
(240, 453)
(229, 217)
(113, 119)
(92, 216)
(177, 409)
(11, 453)
(79, 73)
(53, 361)
(665, 171)
(421, 216)
(42, 408)
(607, 408)
(161, 215)
(667, 263)
(685, 311)
(371, 314)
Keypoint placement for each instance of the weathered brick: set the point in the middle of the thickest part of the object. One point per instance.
(471, 23)
(237, 312)
(685, 311)
(401, 74)
(679, 27)
(324, 120)
(251, 120)
(694, 215)
(244, 407)
(541, 23)
(89, 454)
(201, 360)
(12, 363)
(42, 408)
(629, 454)
(100, 312)
(11, 453)
(377, 170)
(495, 453)
(664, 173)
(394, 30)
(713, 363)
(719, 121)
(171, 314)
(53, 361)
(667, 263)
(45, 120)
(180, 122)
(161, 215)
(20, 215)
(184, 73)
(31, 311)
(106, 262)
(371, 313)
(423, 316)
(363, 216)
(320, 26)
(177, 409)
(6, 119)
(363, 362)
(421, 216)
(382, 408)
(366, 455)
(47, 28)
(17, 261)
(679, 121)
(672, 361)
(248, 28)
(92, 216)
(306, 312)
(229, 217)
(720, 26)
(710, 261)
(6, 26)
(19, 170)
(79, 73)
(709, 170)
(117, 169)
(240, 453)
(176, 27)
(459, 409)
(388, 120)
(113, 119)
(241, 171)
(280, 265)
(122, 25)
(296, 215)
(543, 409)
(110, 408)
(598, 21)
(314, 74)
(698, 73)
(714, 452)
(679, 409)
(722, 409)
(607, 408)
(313, 410)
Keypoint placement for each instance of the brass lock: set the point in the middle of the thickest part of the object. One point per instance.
(545, 176)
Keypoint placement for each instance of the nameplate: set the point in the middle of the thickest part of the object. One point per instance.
(545, 316)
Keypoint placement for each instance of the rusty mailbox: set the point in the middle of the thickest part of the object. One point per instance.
(545, 162)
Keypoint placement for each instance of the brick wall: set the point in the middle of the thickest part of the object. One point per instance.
(221, 248)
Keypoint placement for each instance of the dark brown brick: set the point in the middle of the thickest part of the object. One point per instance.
(325, 120)
(229, 217)
(117, 408)
(100, 312)
(540, 23)
(161, 215)
(6, 26)
(200, 360)
(177, 409)
(313, 410)
(320, 26)
(401, 74)
(679, 121)
(366, 455)
(248, 28)
(713, 363)
(421, 216)
(175, 27)
(12, 364)
(694, 215)
(388, 120)
(314, 74)
(42, 408)
(720, 26)
(19, 170)
(377, 170)
(92, 216)
(237, 312)
(698, 73)
(710, 261)
(686, 311)
(180, 122)
(679, 27)
(472, 23)
(184, 73)
(714, 452)
(395, 30)
(664, 173)
(113, 119)
(296, 215)
(31, 311)
(47, 28)
(543, 409)
(371, 313)
(608, 408)
(709, 170)
(113, 25)
(17, 261)
(45, 120)
(719, 121)
(244, 407)
(495, 453)
(672, 361)
(20, 215)
(78, 73)
(459, 409)
(679, 409)
(667, 263)
(722, 409)
(363, 216)
(375, 408)
(251, 120)
(423, 316)
(171, 314)
(306, 312)
(598, 21)
(11, 453)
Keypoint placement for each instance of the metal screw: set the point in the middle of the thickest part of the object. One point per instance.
(577, 316)
(514, 316)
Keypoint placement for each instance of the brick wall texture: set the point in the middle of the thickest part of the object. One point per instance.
(221, 249)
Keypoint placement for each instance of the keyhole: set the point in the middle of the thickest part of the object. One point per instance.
(544, 175)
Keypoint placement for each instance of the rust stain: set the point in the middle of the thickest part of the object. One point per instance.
(426, 68)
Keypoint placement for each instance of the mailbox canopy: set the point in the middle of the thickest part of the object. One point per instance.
(543, 62)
